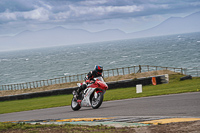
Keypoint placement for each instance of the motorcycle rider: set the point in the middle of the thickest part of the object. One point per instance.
(90, 76)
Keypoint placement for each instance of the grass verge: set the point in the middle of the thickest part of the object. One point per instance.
(175, 86)
(68, 128)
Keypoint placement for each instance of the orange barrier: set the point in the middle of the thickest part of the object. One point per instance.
(154, 80)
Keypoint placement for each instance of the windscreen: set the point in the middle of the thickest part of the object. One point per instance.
(100, 78)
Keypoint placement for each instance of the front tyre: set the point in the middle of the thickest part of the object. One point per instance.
(74, 105)
(96, 102)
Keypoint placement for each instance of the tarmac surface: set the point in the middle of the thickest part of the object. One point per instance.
(129, 112)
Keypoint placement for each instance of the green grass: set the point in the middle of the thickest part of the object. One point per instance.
(69, 128)
(175, 86)
(35, 103)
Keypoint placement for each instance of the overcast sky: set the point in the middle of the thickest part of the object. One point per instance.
(92, 15)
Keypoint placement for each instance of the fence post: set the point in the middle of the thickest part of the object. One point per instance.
(140, 69)
(11, 87)
(22, 86)
(77, 77)
(29, 85)
(65, 79)
(129, 70)
(33, 84)
(123, 70)
(50, 81)
(69, 78)
(26, 85)
(47, 82)
(73, 77)
(59, 79)
(117, 72)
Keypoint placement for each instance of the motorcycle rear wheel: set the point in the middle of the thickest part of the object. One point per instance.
(96, 102)
(74, 105)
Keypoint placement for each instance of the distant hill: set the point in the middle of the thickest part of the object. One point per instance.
(173, 25)
(62, 36)
(58, 36)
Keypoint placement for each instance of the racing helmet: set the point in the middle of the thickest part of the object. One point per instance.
(98, 69)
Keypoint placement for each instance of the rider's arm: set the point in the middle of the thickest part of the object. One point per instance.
(89, 76)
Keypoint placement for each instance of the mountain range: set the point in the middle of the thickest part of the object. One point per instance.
(62, 36)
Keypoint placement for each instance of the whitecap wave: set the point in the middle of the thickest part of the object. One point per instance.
(66, 74)
(113, 62)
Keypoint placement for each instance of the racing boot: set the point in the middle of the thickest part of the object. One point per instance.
(75, 94)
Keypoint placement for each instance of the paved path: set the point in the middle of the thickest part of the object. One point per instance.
(175, 105)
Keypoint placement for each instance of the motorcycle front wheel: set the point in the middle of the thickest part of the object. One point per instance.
(96, 102)
(74, 105)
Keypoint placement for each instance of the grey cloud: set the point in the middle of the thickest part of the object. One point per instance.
(16, 5)
(53, 11)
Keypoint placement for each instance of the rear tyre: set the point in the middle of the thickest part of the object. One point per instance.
(74, 105)
(96, 102)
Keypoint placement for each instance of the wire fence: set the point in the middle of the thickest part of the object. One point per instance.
(80, 77)
(195, 72)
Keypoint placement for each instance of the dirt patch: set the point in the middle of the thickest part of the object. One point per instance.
(183, 127)
(74, 84)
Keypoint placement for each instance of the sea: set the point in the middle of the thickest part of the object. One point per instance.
(180, 50)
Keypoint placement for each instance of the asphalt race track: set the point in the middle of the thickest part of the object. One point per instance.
(175, 105)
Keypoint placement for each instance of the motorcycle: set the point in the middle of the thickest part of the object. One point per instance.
(92, 96)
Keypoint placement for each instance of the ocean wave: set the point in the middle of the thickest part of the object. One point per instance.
(66, 74)
(124, 56)
(113, 62)
(4, 60)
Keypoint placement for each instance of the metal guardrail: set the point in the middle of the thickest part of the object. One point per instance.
(195, 72)
(80, 77)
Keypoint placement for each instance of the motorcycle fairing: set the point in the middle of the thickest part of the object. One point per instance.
(86, 99)
(100, 85)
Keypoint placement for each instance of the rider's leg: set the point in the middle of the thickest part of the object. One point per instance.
(82, 87)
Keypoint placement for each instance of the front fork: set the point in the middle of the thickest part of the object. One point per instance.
(95, 94)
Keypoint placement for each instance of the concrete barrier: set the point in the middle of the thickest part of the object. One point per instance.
(111, 85)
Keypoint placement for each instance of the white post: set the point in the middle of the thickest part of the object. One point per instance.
(139, 88)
